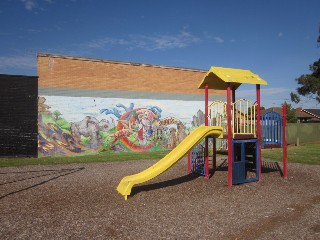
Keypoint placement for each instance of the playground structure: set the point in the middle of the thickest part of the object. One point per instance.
(238, 121)
(241, 122)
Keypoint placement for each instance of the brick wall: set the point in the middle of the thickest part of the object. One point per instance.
(56, 71)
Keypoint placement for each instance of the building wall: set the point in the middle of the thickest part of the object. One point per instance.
(81, 73)
(89, 106)
(18, 115)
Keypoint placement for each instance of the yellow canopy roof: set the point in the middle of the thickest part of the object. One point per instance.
(218, 77)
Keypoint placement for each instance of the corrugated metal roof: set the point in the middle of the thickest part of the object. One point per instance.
(313, 112)
(218, 77)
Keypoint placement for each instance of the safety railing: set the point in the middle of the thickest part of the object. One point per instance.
(218, 115)
(243, 117)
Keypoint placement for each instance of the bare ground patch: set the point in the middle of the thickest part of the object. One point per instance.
(80, 201)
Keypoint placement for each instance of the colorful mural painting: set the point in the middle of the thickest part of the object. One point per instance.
(84, 125)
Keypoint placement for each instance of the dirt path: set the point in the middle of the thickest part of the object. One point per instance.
(80, 201)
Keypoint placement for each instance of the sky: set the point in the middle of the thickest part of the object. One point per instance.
(276, 39)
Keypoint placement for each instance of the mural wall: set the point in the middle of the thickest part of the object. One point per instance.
(86, 125)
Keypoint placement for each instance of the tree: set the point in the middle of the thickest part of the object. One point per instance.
(309, 83)
(291, 113)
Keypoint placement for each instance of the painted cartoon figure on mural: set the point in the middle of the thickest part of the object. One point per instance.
(118, 128)
(141, 129)
(171, 130)
(53, 134)
(90, 127)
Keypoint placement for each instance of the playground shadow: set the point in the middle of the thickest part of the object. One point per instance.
(61, 173)
(223, 166)
(46, 173)
(267, 167)
(164, 184)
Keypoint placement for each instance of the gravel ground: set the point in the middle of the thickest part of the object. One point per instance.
(80, 201)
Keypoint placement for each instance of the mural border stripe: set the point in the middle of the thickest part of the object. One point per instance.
(74, 92)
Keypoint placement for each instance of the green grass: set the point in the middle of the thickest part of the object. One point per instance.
(10, 162)
(306, 154)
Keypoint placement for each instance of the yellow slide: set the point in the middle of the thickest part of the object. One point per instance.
(171, 158)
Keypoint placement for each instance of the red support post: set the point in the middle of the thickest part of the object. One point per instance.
(206, 107)
(229, 135)
(206, 152)
(259, 131)
(214, 154)
(233, 94)
(284, 141)
(206, 122)
(189, 162)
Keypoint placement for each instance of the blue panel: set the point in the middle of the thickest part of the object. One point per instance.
(240, 160)
(271, 129)
(238, 172)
